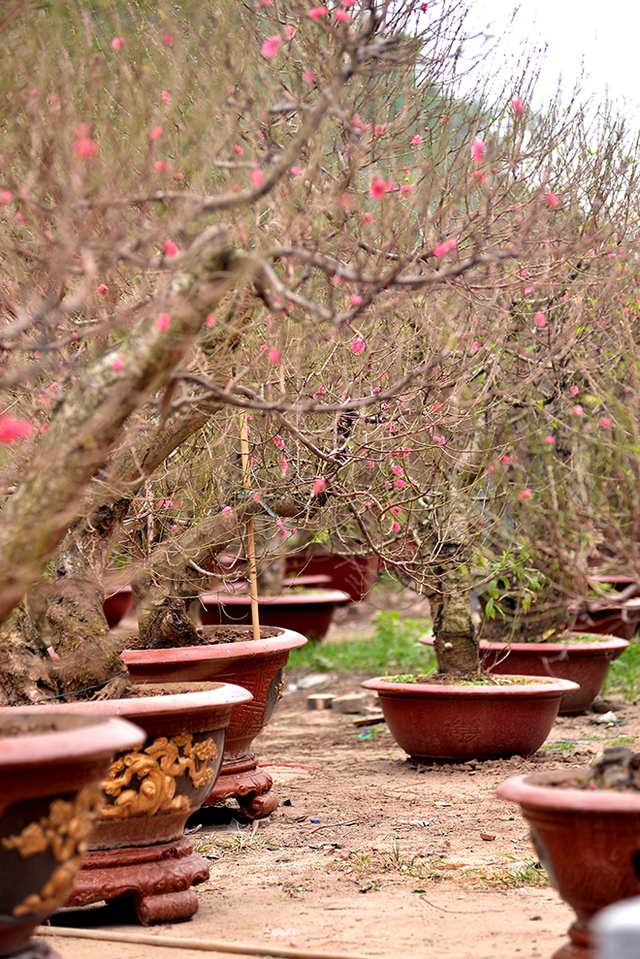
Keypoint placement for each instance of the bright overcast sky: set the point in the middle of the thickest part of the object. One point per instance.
(605, 36)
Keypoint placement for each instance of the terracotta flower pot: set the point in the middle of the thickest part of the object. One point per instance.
(116, 605)
(611, 620)
(138, 848)
(587, 840)
(457, 723)
(583, 663)
(308, 612)
(258, 666)
(51, 766)
(355, 574)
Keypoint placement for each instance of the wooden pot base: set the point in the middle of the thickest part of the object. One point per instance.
(157, 879)
(241, 779)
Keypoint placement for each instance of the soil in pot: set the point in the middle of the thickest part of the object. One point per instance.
(456, 723)
(137, 848)
(585, 827)
(229, 654)
(51, 766)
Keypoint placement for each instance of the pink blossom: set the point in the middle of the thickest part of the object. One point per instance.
(424, 7)
(355, 299)
(273, 355)
(102, 290)
(605, 422)
(86, 148)
(395, 526)
(288, 31)
(477, 176)
(163, 322)
(359, 125)
(379, 187)
(416, 140)
(117, 42)
(375, 389)
(441, 249)
(397, 470)
(552, 200)
(295, 171)
(156, 133)
(320, 485)
(577, 409)
(278, 441)
(343, 16)
(406, 190)
(378, 129)
(316, 12)
(475, 346)
(309, 76)
(517, 106)
(541, 320)
(210, 320)
(257, 176)
(238, 149)
(367, 218)
(6, 196)
(528, 289)
(165, 96)
(321, 391)
(12, 429)
(168, 39)
(506, 460)
(170, 249)
(396, 510)
(270, 47)
(400, 484)
(117, 364)
(358, 345)
(366, 503)
(371, 464)
(525, 494)
(477, 151)
(284, 465)
(225, 510)
(550, 440)
(574, 390)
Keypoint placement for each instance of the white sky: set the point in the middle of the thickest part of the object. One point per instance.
(605, 35)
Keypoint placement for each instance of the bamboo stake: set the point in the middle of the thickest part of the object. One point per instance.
(248, 530)
(202, 945)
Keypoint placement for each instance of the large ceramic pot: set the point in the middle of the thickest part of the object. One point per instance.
(306, 611)
(137, 848)
(51, 766)
(587, 840)
(621, 621)
(233, 657)
(457, 723)
(585, 663)
(354, 574)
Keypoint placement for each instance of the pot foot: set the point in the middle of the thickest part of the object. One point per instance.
(158, 879)
(579, 947)
(250, 786)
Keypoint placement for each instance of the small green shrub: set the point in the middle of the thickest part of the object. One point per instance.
(623, 678)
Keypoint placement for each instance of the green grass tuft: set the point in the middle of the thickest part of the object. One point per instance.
(394, 644)
(623, 678)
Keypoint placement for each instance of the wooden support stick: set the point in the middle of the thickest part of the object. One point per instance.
(250, 542)
(203, 945)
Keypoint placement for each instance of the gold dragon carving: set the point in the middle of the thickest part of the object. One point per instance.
(65, 832)
(157, 768)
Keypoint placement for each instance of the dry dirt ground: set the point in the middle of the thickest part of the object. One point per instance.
(369, 854)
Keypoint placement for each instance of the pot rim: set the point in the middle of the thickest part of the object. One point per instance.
(306, 597)
(186, 703)
(604, 643)
(84, 737)
(526, 790)
(536, 687)
(225, 652)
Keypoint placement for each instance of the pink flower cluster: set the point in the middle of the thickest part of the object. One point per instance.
(12, 429)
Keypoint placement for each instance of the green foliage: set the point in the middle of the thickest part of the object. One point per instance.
(393, 644)
(623, 678)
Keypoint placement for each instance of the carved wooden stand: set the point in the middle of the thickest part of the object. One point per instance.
(250, 786)
(156, 878)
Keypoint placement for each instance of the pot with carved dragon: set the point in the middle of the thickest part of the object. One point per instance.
(138, 848)
(51, 766)
(230, 654)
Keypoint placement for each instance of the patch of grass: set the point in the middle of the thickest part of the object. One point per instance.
(523, 872)
(622, 741)
(393, 644)
(623, 678)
